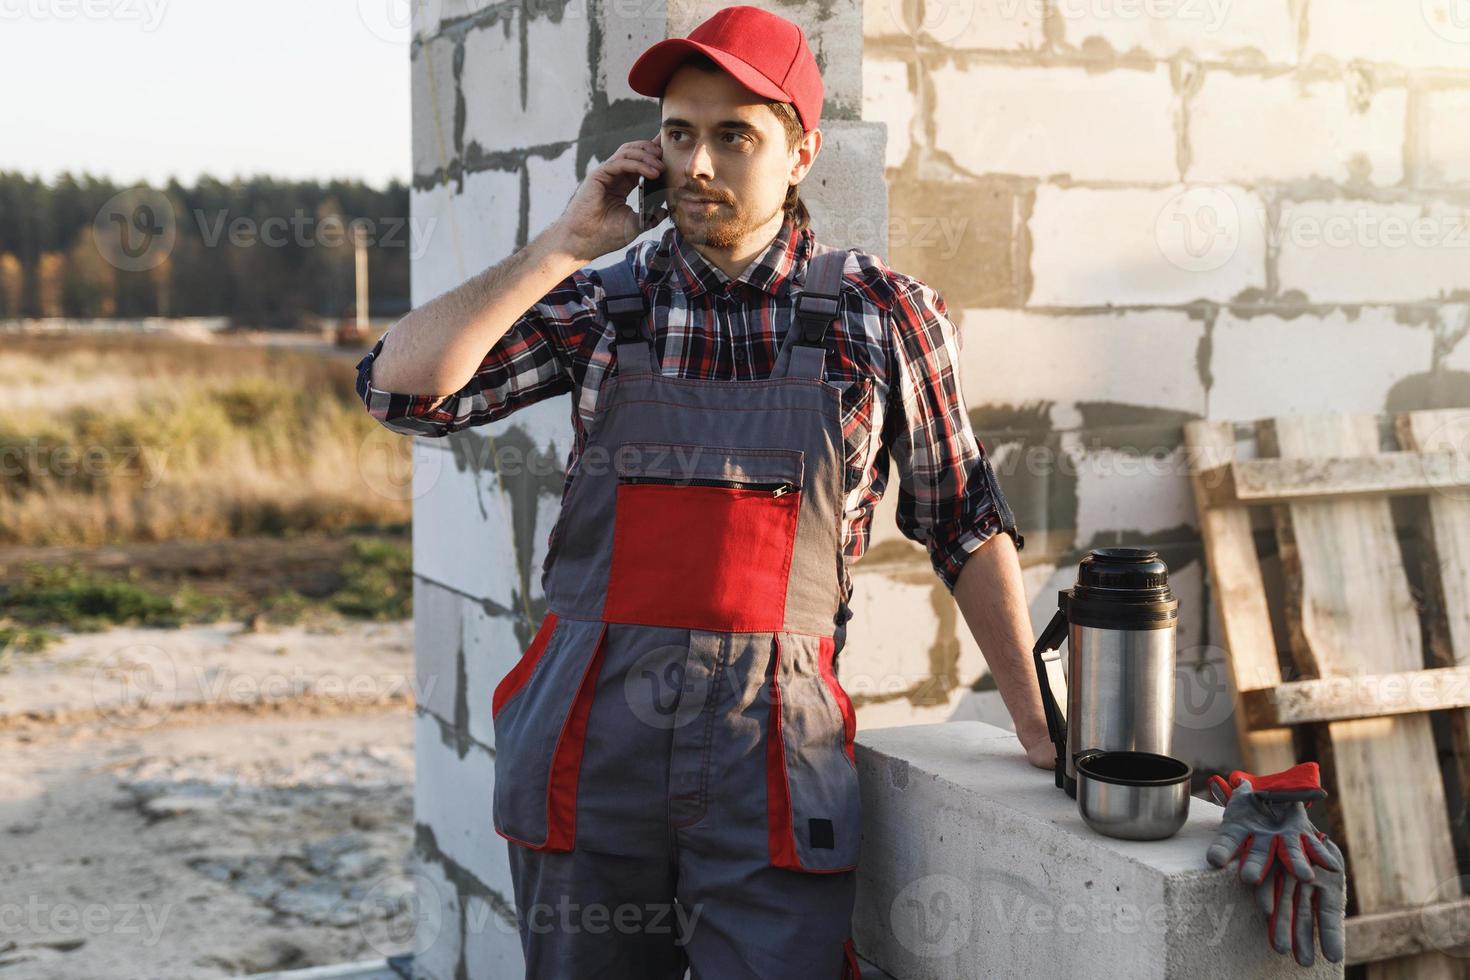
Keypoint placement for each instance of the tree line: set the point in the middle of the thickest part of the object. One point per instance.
(263, 252)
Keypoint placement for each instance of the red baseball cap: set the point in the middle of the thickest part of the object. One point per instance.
(766, 53)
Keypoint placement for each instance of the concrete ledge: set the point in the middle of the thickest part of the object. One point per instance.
(974, 864)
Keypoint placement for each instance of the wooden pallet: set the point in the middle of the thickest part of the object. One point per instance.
(1359, 679)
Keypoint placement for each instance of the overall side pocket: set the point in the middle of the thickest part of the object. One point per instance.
(540, 730)
(813, 802)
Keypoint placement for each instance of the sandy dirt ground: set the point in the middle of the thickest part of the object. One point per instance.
(206, 802)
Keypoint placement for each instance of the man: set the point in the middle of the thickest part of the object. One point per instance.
(675, 732)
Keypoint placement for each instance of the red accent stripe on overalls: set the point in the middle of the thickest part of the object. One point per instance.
(780, 836)
(566, 764)
(517, 676)
(844, 703)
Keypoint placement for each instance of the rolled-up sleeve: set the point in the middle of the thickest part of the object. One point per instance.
(532, 361)
(949, 498)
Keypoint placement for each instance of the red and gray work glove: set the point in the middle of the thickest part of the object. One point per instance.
(1296, 906)
(1296, 910)
(1265, 822)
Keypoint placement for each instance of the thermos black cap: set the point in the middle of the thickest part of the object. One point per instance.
(1121, 588)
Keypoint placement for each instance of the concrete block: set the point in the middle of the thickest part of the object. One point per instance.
(906, 655)
(1148, 358)
(430, 15)
(466, 511)
(844, 191)
(485, 217)
(975, 865)
(527, 93)
(436, 941)
(1457, 320)
(889, 98)
(1245, 128)
(963, 235)
(1429, 34)
(629, 27)
(1262, 364)
(459, 234)
(553, 181)
(1123, 247)
(438, 632)
(492, 645)
(433, 97)
(1045, 122)
(1444, 150)
(1238, 31)
(492, 943)
(957, 26)
(438, 265)
(452, 796)
(1356, 251)
(1134, 491)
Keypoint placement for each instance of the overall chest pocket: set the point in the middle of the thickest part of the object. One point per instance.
(703, 536)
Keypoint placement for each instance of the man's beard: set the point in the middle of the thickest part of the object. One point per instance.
(725, 227)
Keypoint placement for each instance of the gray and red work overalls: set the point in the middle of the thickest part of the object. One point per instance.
(676, 730)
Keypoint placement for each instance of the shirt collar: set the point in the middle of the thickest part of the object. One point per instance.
(769, 271)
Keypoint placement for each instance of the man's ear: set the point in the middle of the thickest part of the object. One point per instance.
(806, 155)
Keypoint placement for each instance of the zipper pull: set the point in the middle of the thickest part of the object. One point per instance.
(783, 489)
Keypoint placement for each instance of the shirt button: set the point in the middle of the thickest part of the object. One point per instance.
(740, 353)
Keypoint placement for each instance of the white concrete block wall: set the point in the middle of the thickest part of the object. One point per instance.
(1170, 212)
(1253, 129)
(1238, 31)
(1053, 122)
(1444, 149)
(1138, 247)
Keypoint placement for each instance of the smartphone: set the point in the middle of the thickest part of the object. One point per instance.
(652, 195)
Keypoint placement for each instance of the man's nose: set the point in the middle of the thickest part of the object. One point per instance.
(700, 165)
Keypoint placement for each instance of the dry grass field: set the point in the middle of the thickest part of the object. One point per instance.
(157, 480)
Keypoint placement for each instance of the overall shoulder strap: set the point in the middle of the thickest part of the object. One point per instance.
(627, 310)
(816, 307)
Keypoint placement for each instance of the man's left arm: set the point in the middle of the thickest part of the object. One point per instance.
(950, 501)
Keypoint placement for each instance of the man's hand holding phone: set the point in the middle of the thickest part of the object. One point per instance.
(598, 220)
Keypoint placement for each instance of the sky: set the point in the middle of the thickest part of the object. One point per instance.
(149, 89)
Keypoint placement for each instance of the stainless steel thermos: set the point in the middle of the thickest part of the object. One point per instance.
(1119, 624)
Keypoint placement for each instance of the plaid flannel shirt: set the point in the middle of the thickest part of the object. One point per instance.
(894, 353)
